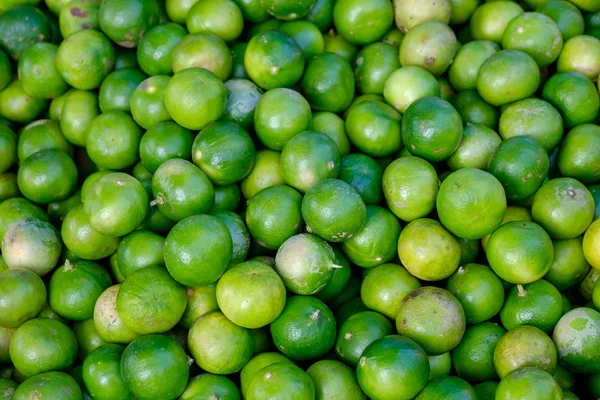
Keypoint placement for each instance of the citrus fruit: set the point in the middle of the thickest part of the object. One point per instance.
(576, 341)
(22, 26)
(567, 16)
(360, 22)
(307, 35)
(574, 95)
(321, 14)
(78, 112)
(440, 365)
(591, 243)
(147, 103)
(242, 98)
(87, 337)
(278, 203)
(474, 110)
(520, 252)
(328, 83)
(47, 176)
(580, 54)
(52, 385)
(448, 387)
(218, 345)
(13, 210)
(101, 373)
(222, 18)
(208, 385)
(286, 9)
(40, 135)
(524, 346)
(334, 380)
(407, 84)
(430, 45)
(359, 331)
(529, 381)
(393, 367)
(139, 249)
(83, 240)
(489, 20)
(251, 294)
(240, 237)
(373, 65)
(577, 157)
(473, 358)
(569, 265)
(279, 381)
(8, 139)
(79, 15)
(468, 61)
(408, 14)
(108, 322)
(150, 301)
(257, 363)
(431, 129)
(155, 367)
(476, 148)
(38, 73)
(155, 49)
(125, 22)
(23, 295)
(203, 50)
(374, 128)
(200, 300)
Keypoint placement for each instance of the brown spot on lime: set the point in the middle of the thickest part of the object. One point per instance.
(190, 292)
(78, 12)
(127, 43)
(429, 60)
(438, 150)
(571, 193)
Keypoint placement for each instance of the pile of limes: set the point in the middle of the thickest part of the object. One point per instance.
(299, 199)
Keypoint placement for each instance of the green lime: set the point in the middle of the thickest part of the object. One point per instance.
(591, 240)
(577, 344)
(155, 49)
(275, 203)
(439, 366)
(394, 367)
(200, 300)
(13, 210)
(7, 388)
(359, 331)
(340, 279)
(181, 189)
(305, 263)
(8, 142)
(117, 88)
(242, 98)
(577, 157)
(224, 152)
(406, 85)
(6, 74)
(476, 148)
(569, 266)
(372, 67)
(83, 240)
(361, 22)
(474, 110)
(468, 61)
(85, 58)
(364, 175)
(18, 106)
(409, 14)
(524, 346)
(102, 373)
(471, 203)
(532, 117)
(38, 73)
(40, 135)
(79, 15)
(307, 35)
(394, 37)
(164, 141)
(222, 18)
(566, 15)
(308, 158)
(489, 20)
(574, 96)
(334, 380)
(280, 115)
(431, 129)
(218, 345)
(227, 197)
(87, 337)
(147, 102)
(288, 9)
(31, 244)
(335, 43)
(328, 83)
(274, 59)
(305, 329)
(22, 26)
(428, 250)
(108, 322)
(140, 249)
(269, 24)
(24, 295)
(47, 176)
(52, 385)
(41, 345)
(195, 97)
(528, 381)
(507, 76)
(479, 291)
(279, 381)
(586, 286)
(9, 187)
(208, 385)
(238, 70)
(126, 21)
(177, 10)
(537, 304)
(333, 210)
(203, 50)
(155, 367)
(78, 112)
(580, 54)
(374, 128)
(433, 318)
(150, 301)
(448, 387)
(321, 14)
(473, 358)
(430, 45)
(240, 236)
(564, 207)
(257, 363)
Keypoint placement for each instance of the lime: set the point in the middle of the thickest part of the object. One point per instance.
(139, 249)
(577, 157)
(479, 291)
(364, 174)
(286, 9)
(359, 331)
(102, 373)
(439, 366)
(79, 15)
(181, 189)
(251, 294)
(126, 21)
(532, 117)
(334, 380)
(591, 242)
(218, 345)
(335, 43)
(432, 129)
(155, 49)
(468, 61)
(200, 300)
(147, 102)
(78, 112)
(8, 140)
(203, 50)
(308, 158)
(108, 322)
(177, 10)
(40, 135)
(83, 240)
(394, 367)
(119, 196)
(563, 207)
(428, 250)
(164, 141)
(9, 187)
(279, 381)
(209, 385)
(569, 266)
(75, 287)
(328, 83)
(407, 84)
(41, 345)
(448, 387)
(580, 54)
(333, 210)
(528, 381)
(507, 76)
(321, 14)
(374, 128)
(339, 280)
(537, 304)
(38, 73)
(257, 363)
(476, 148)
(155, 367)
(474, 110)
(566, 15)
(18, 106)
(513, 213)
(222, 17)
(524, 346)
(117, 88)
(7, 388)
(265, 173)
(23, 295)
(275, 203)
(586, 286)
(150, 301)
(409, 14)
(274, 59)
(473, 358)
(13, 210)
(5, 75)
(238, 70)
(361, 22)
(574, 96)
(307, 35)
(430, 45)
(31, 244)
(489, 20)
(576, 341)
(195, 97)
(373, 65)
(240, 237)
(21, 25)
(87, 337)
(52, 385)
(305, 329)
(243, 97)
